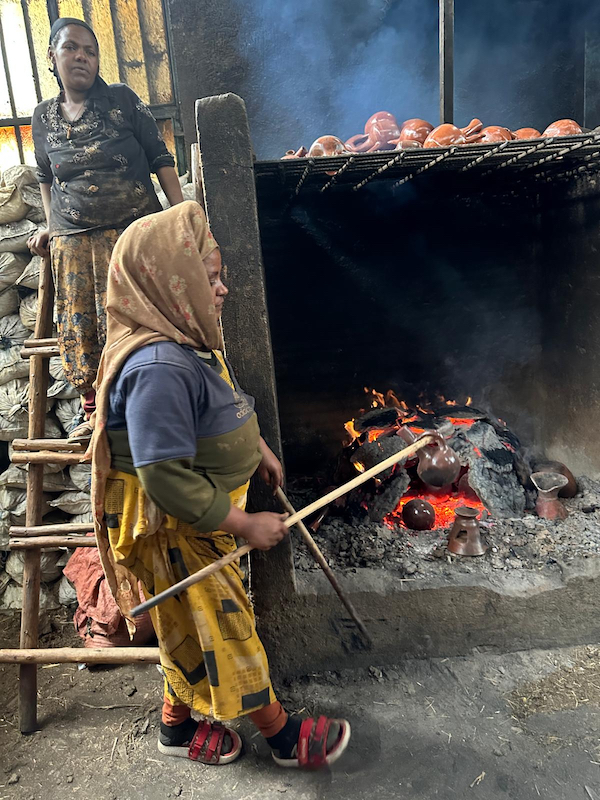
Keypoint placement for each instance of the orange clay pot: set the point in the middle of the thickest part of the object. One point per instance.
(446, 135)
(562, 127)
(495, 133)
(327, 146)
(415, 130)
(381, 133)
(300, 153)
(527, 133)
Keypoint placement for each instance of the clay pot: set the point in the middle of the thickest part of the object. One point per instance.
(418, 515)
(562, 127)
(548, 484)
(446, 135)
(300, 153)
(408, 144)
(570, 490)
(438, 464)
(465, 538)
(527, 133)
(415, 130)
(381, 133)
(327, 146)
(495, 133)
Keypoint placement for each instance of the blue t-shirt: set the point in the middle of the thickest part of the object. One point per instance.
(177, 396)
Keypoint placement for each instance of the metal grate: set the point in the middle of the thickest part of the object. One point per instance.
(134, 49)
(514, 162)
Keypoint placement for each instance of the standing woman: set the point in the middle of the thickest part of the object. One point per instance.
(95, 146)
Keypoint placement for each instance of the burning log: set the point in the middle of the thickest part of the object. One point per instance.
(492, 473)
(388, 498)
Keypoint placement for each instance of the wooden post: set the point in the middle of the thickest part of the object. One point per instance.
(227, 167)
(38, 388)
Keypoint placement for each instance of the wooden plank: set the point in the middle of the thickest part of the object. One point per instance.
(47, 457)
(40, 343)
(38, 388)
(46, 352)
(227, 165)
(81, 655)
(52, 530)
(54, 445)
(51, 542)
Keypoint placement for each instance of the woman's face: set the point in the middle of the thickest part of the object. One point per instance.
(75, 56)
(214, 268)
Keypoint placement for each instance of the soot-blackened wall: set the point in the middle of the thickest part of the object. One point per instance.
(432, 294)
(311, 68)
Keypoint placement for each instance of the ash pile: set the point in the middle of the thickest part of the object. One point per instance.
(370, 528)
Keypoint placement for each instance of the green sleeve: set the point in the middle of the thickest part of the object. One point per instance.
(187, 495)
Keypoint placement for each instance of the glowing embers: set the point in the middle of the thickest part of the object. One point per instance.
(486, 477)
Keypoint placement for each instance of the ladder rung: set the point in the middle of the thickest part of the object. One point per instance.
(46, 457)
(81, 655)
(57, 445)
(45, 352)
(63, 529)
(50, 542)
(40, 343)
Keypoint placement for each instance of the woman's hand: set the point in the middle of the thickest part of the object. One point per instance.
(38, 243)
(270, 469)
(264, 529)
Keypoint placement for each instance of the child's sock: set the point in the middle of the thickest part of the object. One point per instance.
(284, 744)
(177, 735)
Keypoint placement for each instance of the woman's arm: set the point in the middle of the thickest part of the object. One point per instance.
(38, 243)
(167, 177)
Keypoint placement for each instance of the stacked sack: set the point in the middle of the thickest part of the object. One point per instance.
(66, 491)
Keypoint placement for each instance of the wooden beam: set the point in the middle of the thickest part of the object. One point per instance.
(81, 655)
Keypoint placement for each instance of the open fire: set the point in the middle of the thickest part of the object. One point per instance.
(492, 477)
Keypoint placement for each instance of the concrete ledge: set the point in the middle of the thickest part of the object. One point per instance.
(502, 612)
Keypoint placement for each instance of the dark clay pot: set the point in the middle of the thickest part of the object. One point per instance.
(418, 515)
(570, 490)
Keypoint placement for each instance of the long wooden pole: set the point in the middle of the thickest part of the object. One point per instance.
(38, 388)
(81, 655)
(322, 562)
(402, 455)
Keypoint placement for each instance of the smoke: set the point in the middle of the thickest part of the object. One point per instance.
(324, 66)
(318, 67)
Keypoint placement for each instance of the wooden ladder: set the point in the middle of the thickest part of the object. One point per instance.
(35, 536)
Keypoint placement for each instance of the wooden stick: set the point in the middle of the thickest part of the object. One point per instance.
(47, 457)
(64, 528)
(51, 542)
(322, 562)
(55, 445)
(38, 389)
(81, 655)
(40, 343)
(45, 352)
(402, 455)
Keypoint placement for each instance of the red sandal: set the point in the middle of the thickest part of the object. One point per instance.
(207, 745)
(312, 750)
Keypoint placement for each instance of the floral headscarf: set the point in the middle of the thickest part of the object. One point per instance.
(158, 290)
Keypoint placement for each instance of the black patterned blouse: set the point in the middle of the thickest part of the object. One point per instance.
(99, 166)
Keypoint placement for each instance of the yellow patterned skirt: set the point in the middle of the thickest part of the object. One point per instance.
(80, 269)
(210, 652)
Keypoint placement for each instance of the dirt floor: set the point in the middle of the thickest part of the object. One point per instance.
(523, 725)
